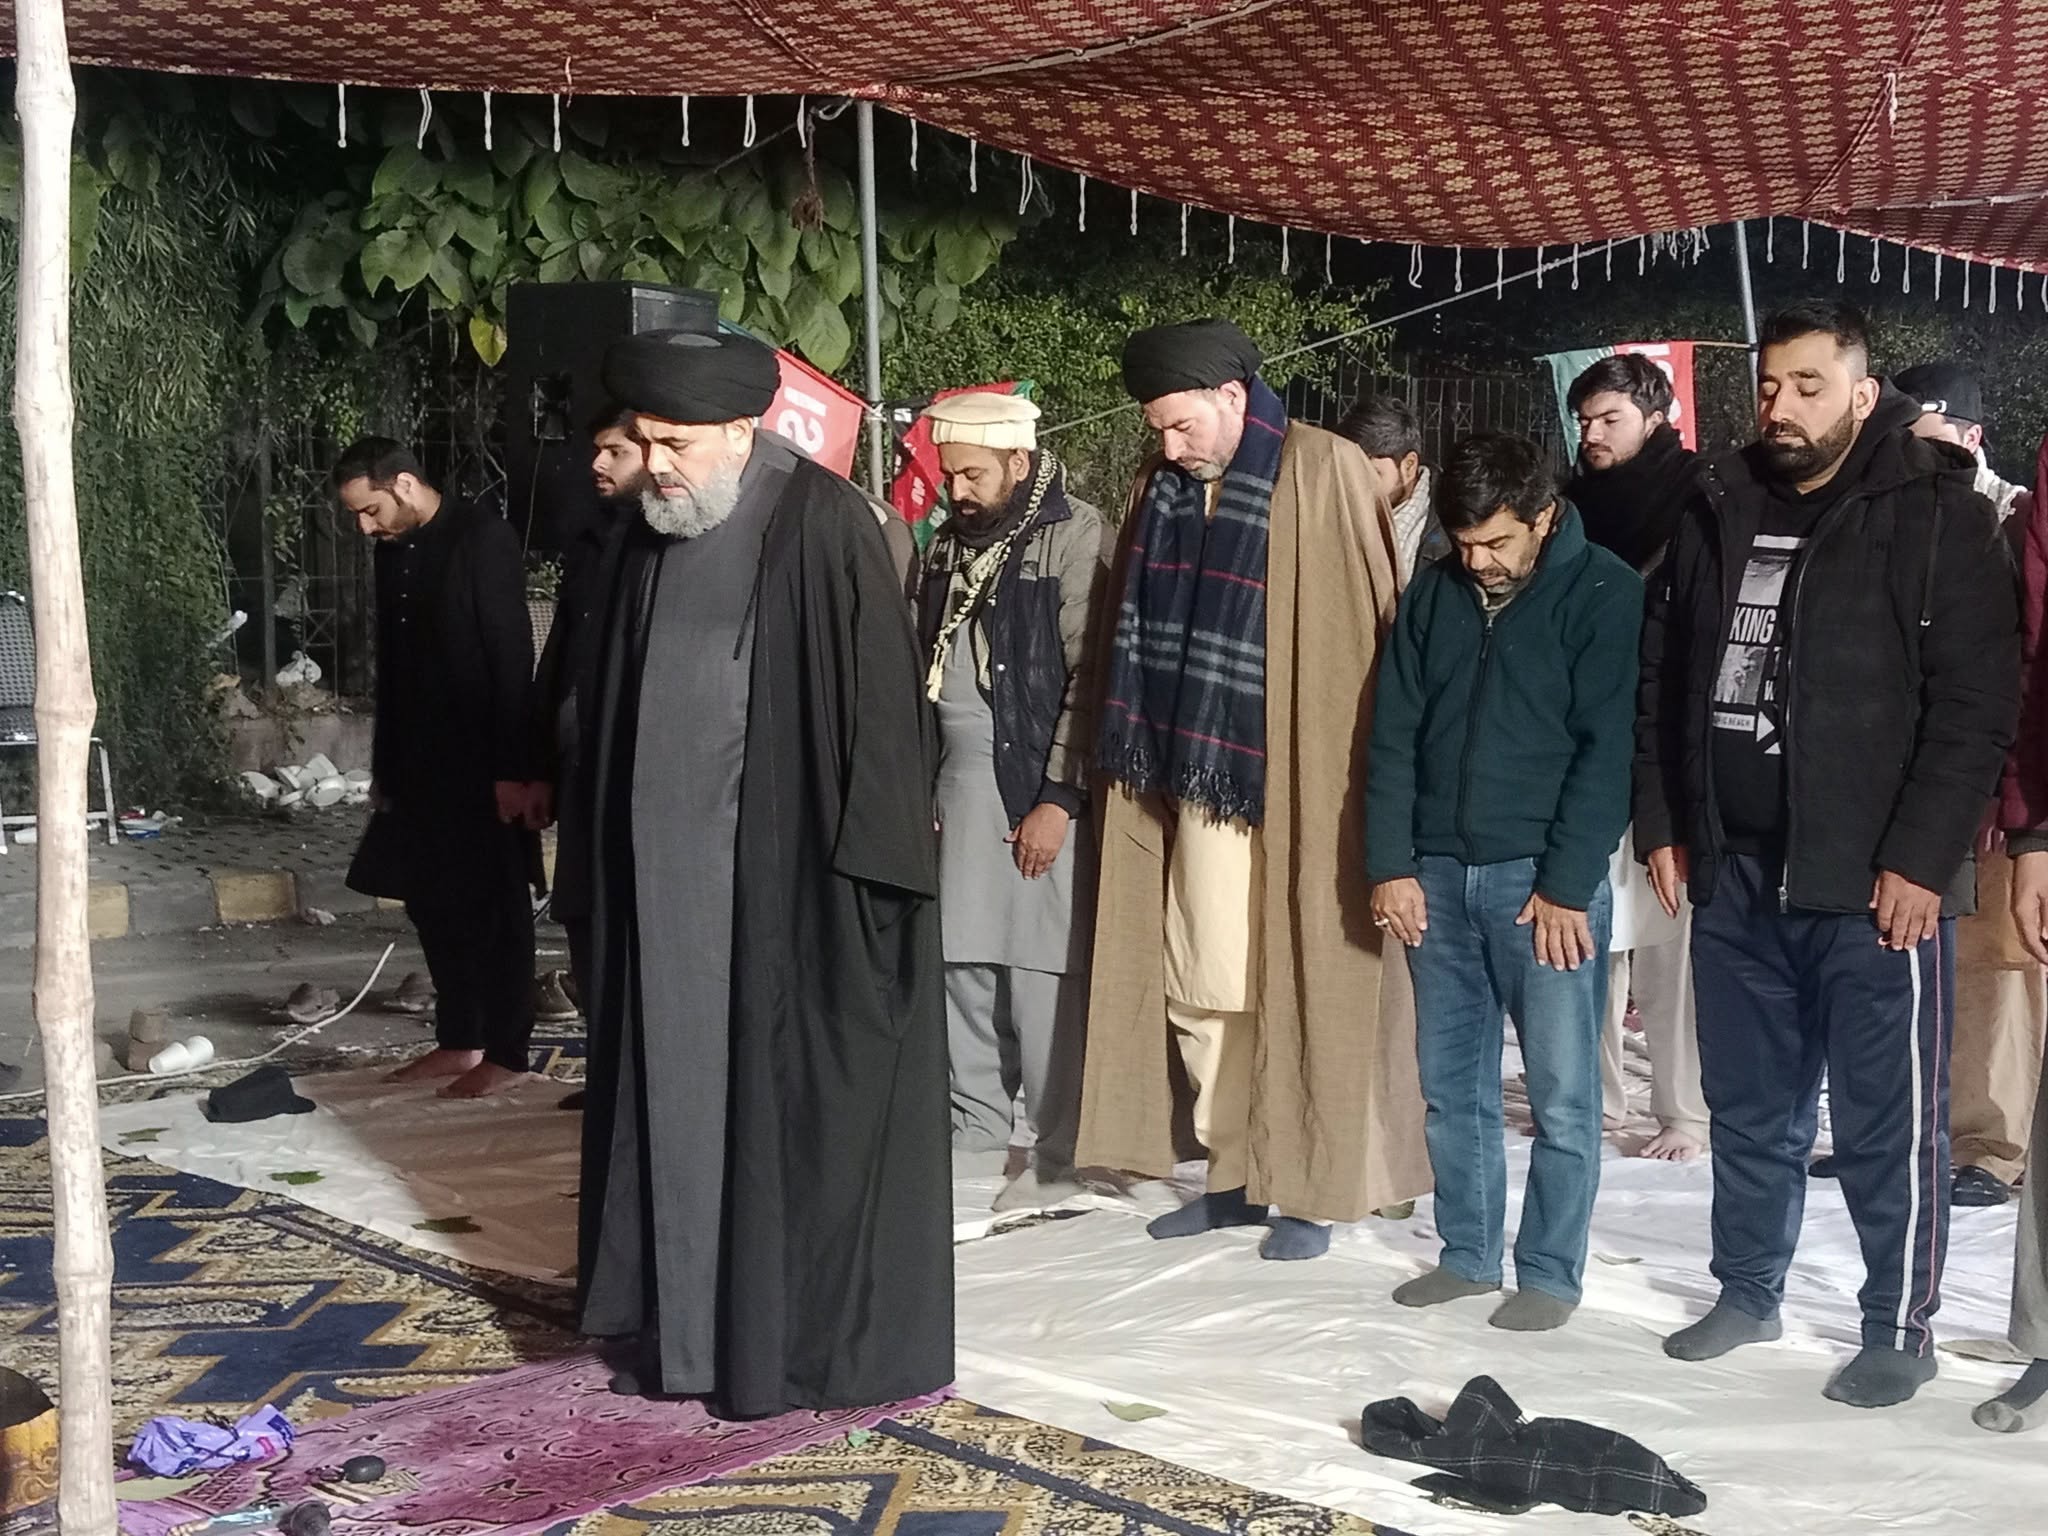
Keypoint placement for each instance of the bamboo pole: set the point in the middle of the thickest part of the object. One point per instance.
(84, 1261)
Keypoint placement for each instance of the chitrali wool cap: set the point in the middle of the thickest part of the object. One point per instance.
(985, 417)
(692, 378)
(1945, 389)
(1196, 354)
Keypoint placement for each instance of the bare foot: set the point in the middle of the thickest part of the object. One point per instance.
(436, 1064)
(1670, 1146)
(483, 1080)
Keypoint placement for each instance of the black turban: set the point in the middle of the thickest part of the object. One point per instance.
(1199, 354)
(689, 377)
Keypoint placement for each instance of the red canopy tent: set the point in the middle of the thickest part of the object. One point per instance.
(1450, 122)
(1466, 123)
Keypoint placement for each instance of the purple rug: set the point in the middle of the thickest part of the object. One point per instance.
(514, 1454)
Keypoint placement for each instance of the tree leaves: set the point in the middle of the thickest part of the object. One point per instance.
(488, 338)
(400, 256)
(315, 261)
(297, 1177)
(817, 327)
(586, 179)
(961, 252)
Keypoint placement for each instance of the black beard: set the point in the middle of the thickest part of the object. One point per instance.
(1800, 458)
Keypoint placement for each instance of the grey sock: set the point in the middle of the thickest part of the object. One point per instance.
(1441, 1285)
(1721, 1330)
(1879, 1377)
(1533, 1311)
(2020, 1405)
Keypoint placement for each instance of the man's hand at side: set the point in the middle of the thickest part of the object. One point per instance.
(1400, 907)
(1564, 941)
(1038, 839)
(1906, 913)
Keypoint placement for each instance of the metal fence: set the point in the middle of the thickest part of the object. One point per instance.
(1450, 402)
(299, 568)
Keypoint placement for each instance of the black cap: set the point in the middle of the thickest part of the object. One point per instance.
(1198, 354)
(1946, 389)
(265, 1092)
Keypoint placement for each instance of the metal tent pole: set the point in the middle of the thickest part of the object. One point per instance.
(1748, 298)
(871, 300)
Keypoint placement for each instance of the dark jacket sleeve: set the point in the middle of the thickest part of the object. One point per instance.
(550, 686)
(2024, 803)
(1969, 692)
(1396, 728)
(505, 632)
(1084, 551)
(1657, 798)
(885, 835)
(1592, 803)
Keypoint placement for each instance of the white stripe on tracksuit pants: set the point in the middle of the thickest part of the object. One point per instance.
(1782, 997)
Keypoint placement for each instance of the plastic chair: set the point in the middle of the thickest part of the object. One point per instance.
(18, 711)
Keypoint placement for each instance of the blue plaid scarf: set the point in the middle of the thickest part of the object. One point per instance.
(1184, 707)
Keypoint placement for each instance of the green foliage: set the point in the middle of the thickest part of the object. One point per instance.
(156, 347)
(449, 226)
(1058, 315)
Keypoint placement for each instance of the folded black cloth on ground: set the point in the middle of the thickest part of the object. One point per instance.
(265, 1092)
(1507, 1462)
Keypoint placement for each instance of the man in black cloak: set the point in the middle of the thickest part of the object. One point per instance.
(766, 1179)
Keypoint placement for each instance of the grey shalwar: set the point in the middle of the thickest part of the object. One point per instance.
(1016, 950)
(2030, 1267)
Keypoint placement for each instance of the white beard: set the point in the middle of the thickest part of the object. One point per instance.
(695, 512)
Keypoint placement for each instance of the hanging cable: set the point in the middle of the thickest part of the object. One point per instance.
(1642, 255)
(558, 123)
(1233, 240)
(1771, 238)
(1500, 272)
(1183, 229)
(1575, 266)
(1329, 261)
(974, 165)
(747, 134)
(1415, 265)
(803, 129)
(686, 119)
(913, 146)
(1966, 285)
(1457, 269)
(1081, 215)
(426, 116)
(1283, 250)
(340, 116)
(1991, 307)
(487, 119)
(1025, 184)
(1841, 255)
(1610, 261)
(1937, 277)
(1134, 210)
(1906, 270)
(1805, 243)
(1539, 266)
(1876, 250)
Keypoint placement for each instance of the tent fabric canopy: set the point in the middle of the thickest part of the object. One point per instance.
(1450, 122)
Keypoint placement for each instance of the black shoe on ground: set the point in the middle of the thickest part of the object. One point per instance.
(574, 1100)
(1978, 1186)
(1821, 1168)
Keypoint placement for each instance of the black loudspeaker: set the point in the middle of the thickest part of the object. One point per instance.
(555, 336)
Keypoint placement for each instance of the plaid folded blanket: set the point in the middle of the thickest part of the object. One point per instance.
(1184, 707)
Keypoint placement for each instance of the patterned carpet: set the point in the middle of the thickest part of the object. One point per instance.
(226, 1298)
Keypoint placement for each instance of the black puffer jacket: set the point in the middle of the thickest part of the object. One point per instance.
(1903, 671)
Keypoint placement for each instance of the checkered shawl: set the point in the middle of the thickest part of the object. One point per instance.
(1502, 1461)
(1184, 702)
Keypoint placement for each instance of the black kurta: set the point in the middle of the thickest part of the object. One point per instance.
(454, 690)
(816, 1272)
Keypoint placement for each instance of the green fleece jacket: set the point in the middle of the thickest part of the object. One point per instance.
(1509, 738)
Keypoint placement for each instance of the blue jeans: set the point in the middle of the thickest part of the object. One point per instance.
(1474, 968)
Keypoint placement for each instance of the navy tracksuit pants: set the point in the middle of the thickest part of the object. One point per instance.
(1781, 997)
